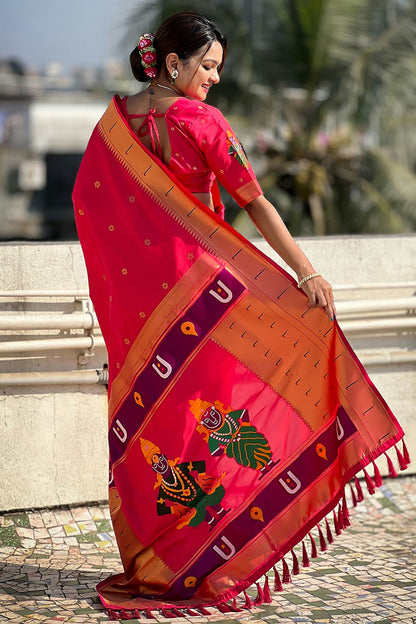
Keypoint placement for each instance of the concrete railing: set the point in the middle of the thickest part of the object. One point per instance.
(370, 318)
(53, 432)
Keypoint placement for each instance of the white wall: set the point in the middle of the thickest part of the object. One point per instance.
(53, 439)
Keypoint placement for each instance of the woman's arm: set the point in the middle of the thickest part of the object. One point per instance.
(269, 223)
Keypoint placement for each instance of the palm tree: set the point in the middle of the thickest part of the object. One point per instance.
(337, 162)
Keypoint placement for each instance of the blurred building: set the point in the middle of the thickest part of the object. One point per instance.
(45, 123)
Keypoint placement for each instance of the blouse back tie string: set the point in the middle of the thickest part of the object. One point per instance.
(149, 127)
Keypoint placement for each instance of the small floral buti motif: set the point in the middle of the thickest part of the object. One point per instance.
(235, 149)
(147, 242)
(165, 285)
(97, 184)
(124, 271)
(132, 199)
(111, 228)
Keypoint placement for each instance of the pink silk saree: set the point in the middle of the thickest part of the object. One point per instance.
(237, 413)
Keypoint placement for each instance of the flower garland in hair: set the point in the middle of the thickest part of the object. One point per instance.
(148, 54)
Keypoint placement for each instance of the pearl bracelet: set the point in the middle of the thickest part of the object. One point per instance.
(307, 278)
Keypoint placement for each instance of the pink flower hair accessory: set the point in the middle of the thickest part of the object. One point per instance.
(148, 54)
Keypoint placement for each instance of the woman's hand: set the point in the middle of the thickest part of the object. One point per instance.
(320, 294)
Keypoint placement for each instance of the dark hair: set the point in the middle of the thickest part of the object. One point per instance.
(184, 33)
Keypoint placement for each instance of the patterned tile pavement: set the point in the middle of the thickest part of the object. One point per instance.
(50, 562)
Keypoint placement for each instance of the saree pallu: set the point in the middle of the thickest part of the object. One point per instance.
(237, 412)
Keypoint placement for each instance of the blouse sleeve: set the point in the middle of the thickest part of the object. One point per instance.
(225, 155)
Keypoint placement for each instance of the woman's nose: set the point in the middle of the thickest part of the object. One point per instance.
(215, 77)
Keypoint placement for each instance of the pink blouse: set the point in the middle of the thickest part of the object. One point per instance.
(203, 146)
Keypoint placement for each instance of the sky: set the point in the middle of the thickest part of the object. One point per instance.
(72, 32)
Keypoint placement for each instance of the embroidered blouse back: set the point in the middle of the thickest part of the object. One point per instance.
(196, 143)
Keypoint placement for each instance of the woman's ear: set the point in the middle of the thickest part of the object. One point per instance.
(172, 60)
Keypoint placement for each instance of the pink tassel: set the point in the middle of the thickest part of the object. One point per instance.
(124, 615)
(328, 532)
(406, 453)
(340, 518)
(345, 512)
(370, 485)
(322, 542)
(377, 476)
(295, 566)
(314, 552)
(149, 615)
(392, 470)
(360, 495)
(136, 614)
(400, 458)
(248, 603)
(259, 599)
(223, 607)
(305, 558)
(266, 591)
(113, 615)
(336, 524)
(286, 573)
(204, 611)
(192, 613)
(278, 587)
(353, 496)
(168, 613)
(234, 607)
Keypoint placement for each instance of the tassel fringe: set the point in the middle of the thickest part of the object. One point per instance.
(341, 520)
(204, 611)
(328, 532)
(370, 485)
(353, 496)
(360, 495)
(377, 476)
(390, 465)
(295, 565)
(345, 512)
(406, 453)
(277, 582)
(266, 591)
(248, 603)
(322, 542)
(305, 558)
(260, 596)
(314, 552)
(286, 573)
(401, 460)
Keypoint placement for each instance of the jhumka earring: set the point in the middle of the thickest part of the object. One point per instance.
(174, 75)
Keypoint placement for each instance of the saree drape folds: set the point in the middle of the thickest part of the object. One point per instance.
(237, 413)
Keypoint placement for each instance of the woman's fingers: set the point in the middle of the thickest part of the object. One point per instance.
(320, 294)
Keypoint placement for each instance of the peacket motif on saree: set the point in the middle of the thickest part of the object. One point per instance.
(237, 413)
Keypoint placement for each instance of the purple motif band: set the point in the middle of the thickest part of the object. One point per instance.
(169, 355)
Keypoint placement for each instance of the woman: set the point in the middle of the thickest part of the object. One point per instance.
(237, 410)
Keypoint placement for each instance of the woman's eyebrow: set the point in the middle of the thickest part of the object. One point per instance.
(210, 60)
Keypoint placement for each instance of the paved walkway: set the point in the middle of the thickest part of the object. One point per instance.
(50, 562)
